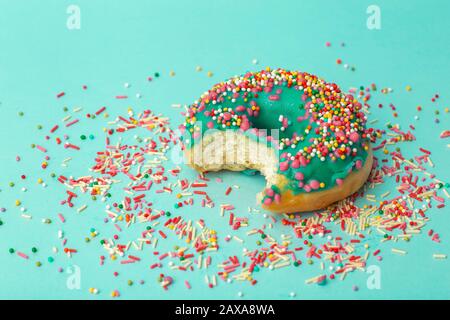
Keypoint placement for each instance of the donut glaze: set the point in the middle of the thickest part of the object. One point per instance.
(322, 137)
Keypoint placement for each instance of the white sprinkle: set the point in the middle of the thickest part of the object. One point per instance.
(398, 251)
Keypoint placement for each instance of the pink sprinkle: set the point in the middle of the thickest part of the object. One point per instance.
(59, 95)
(274, 97)
(72, 122)
(245, 125)
(41, 148)
(61, 217)
(354, 137)
(314, 184)
(277, 198)
(22, 255)
(295, 164)
(299, 176)
(284, 166)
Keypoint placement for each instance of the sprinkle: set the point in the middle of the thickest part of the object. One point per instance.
(444, 134)
(99, 111)
(82, 208)
(40, 148)
(22, 255)
(398, 251)
(72, 122)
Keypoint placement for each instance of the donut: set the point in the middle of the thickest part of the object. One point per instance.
(304, 135)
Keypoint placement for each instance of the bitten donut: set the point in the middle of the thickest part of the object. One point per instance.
(305, 135)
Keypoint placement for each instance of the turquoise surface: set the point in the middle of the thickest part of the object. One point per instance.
(128, 41)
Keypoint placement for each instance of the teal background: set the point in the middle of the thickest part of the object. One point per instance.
(127, 41)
